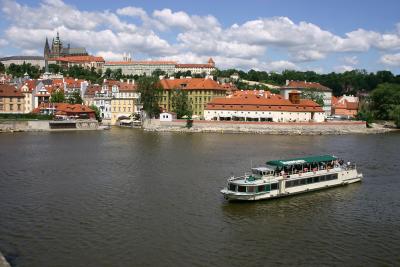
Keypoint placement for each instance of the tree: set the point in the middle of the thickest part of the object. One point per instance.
(150, 90)
(314, 96)
(384, 100)
(96, 112)
(158, 72)
(75, 98)
(54, 68)
(395, 115)
(181, 104)
(57, 96)
(2, 68)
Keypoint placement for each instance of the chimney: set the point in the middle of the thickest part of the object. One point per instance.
(294, 97)
(287, 82)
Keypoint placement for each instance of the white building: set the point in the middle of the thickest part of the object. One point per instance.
(102, 100)
(130, 67)
(37, 61)
(263, 106)
(303, 86)
(196, 68)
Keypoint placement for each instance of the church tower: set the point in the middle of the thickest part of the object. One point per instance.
(46, 54)
(56, 47)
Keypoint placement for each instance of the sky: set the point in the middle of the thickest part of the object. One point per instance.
(269, 35)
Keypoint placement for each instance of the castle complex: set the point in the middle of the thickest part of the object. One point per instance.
(57, 49)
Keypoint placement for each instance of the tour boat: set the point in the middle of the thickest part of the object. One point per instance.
(281, 178)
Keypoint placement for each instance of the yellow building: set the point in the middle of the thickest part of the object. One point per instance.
(124, 101)
(11, 99)
(200, 92)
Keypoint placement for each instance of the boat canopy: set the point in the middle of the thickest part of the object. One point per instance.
(298, 161)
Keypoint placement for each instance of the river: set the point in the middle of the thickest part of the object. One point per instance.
(128, 198)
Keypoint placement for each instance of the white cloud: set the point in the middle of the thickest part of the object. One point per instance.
(3, 42)
(191, 38)
(31, 52)
(351, 60)
(391, 60)
(110, 56)
(343, 68)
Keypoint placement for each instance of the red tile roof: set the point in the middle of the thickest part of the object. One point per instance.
(144, 62)
(79, 59)
(9, 91)
(266, 102)
(92, 89)
(64, 108)
(194, 66)
(305, 84)
(191, 84)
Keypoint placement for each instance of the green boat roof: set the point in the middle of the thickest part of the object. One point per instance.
(296, 161)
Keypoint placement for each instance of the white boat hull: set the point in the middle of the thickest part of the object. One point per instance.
(344, 178)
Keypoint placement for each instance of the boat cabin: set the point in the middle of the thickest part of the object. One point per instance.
(300, 165)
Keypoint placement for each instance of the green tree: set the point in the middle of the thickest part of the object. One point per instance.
(314, 96)
(181, 104)
(96, 112)
(54, 68)
(57, 96)
(384, 100)
(75, 98)
(2, 68)
(395, 115)
(150, 91)
(158, 72)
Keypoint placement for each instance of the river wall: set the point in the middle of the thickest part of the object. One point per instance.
(340, 127)
(44, 125)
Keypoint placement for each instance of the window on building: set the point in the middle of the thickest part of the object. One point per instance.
(18, 106)
(11, 107)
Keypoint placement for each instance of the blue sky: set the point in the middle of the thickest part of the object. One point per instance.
(267, 35)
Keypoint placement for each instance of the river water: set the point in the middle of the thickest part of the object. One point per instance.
(127, 198)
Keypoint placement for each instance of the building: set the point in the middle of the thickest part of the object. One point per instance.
(303, 86)
(346, 106)
(130, 67)
(58, 50)
(27, 90)
(86, 62)
(147, 67)
(264, 106)
(37, 61)
(66, 111)
(206, 69)
(11, 99)
(200, 92)
(124, 101)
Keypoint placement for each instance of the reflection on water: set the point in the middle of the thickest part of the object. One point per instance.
(124, 197)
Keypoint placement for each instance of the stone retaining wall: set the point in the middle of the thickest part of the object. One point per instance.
(263, 127)
(39, 125)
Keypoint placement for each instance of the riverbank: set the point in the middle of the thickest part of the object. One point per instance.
(48, 125)
(325, 128)
(3, 261)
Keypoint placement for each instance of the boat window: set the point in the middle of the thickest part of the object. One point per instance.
(232, 187)
(250, 189)
(267, 187)
(309, 181)
(261, 188)
(288, 184)
(295, 182)
(303, 181)
(335, 176)
(274, 186)
(241, 188)
(315, 179)
(322, 178)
